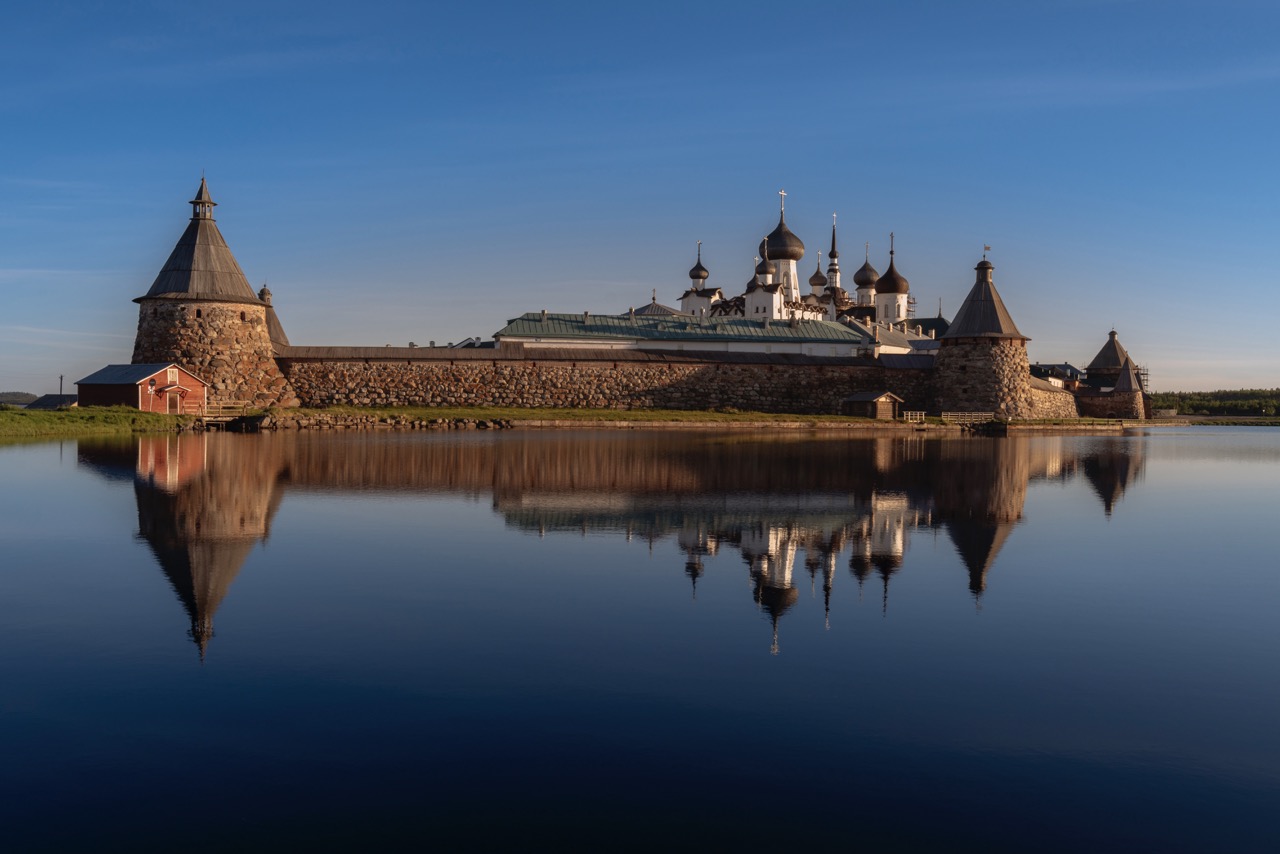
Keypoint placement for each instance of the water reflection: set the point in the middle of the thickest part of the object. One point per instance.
(788, 505)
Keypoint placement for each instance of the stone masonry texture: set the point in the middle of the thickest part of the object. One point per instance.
(601, 384)
(225, 344)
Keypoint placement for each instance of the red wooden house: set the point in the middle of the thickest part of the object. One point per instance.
(151, 388)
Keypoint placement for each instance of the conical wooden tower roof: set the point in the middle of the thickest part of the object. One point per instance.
(1111, 357)
(983, 314)
(201, 266)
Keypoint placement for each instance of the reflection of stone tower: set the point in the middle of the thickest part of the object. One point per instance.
(202, 528)
(980, 493)
(202, 314)
(982, 359)
(1114, 466)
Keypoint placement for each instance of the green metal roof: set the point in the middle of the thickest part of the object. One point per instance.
(652, 328)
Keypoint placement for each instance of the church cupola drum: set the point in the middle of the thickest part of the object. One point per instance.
(202, 313)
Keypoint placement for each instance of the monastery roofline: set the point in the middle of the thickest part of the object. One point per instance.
(515, 352)
(184, 297)
(692, 329)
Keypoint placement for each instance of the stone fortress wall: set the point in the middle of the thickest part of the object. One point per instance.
(608, 380)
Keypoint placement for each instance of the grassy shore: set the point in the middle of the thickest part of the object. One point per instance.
(90, 421)
(99, 421)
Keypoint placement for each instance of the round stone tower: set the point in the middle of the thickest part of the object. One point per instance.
(982, 358)
(202, 314)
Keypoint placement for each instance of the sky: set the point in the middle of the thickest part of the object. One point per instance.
(426, 171)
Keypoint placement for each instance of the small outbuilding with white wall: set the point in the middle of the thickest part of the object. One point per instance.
(157, 387)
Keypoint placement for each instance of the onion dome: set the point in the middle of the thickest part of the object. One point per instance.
(818, 280)
(783, 244)
(892, 282)
(699, 273)
(766, 268)
(867, 276)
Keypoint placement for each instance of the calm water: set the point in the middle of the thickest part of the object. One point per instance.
(641, 640)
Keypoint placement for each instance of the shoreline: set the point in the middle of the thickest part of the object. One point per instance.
(18, 425)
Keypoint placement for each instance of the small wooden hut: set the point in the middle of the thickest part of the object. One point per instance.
(871, 404)
(152, 388)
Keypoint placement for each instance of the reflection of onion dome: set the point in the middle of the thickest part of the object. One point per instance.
(887, 563)
(818, 280)
(892, 282)
(867, 276)
(776, 600)
(782, 244)
(698, 272)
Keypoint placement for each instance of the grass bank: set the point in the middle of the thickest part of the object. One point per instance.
(90, 421)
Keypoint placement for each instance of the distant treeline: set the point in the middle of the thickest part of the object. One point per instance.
(1246, 401)
(16, 398)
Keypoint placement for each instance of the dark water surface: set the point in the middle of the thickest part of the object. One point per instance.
(648, 640)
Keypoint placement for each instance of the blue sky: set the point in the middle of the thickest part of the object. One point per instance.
(414, 171)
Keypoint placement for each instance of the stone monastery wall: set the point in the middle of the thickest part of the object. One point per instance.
(597, 383)
(1057, 403)
(985, 375)
(225, 344)
(1114, 405)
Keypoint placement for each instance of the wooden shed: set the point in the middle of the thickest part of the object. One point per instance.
(871, 404)
(152, 388)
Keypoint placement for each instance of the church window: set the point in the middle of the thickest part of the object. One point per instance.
(172, 376)
(197, 314)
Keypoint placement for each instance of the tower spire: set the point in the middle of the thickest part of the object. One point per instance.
(203, 204)
(834, 253)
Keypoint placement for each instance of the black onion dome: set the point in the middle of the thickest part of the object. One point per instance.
(867, 276)
(892, 282)
(782, 243)
(818, 280)
(698, 272)
(766, 268)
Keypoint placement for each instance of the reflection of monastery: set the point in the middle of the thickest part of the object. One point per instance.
(778, 344)
(788, 508)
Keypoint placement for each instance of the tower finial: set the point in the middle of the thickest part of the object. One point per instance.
(782, 201)
(655, 296)
(699, 251)
(985, 249)
(868, 245)
(891, 244)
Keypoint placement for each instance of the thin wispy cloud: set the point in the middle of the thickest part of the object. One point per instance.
(171, 75)
(51, 331)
